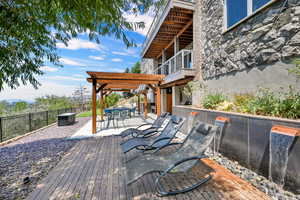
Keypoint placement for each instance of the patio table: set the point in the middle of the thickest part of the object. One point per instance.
(111, 110)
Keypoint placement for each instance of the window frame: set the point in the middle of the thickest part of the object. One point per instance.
(250, 13)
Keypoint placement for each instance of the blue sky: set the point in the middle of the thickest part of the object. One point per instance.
(82, 55)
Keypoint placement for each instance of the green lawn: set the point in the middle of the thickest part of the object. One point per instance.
(87, 113)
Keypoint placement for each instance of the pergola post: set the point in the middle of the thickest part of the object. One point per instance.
(94, 106)
(139, 104)
(158, 101)
(102, 105)
(145, 106)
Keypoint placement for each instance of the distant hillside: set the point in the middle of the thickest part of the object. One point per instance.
(14, 101)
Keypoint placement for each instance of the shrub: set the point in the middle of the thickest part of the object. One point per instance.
(241, 102)
(211, 101)
(289, 106)
(264, 103)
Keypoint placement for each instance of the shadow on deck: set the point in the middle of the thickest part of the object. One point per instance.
(94, 169)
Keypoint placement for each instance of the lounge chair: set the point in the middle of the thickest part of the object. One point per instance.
(192, 149)
(151, 143)
(135, 132)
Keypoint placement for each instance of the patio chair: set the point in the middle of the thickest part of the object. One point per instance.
(136, 132)
(165, 137)
(121, 116)
(183, 159)
(132, 112)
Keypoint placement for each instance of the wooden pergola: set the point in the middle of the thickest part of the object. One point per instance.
(107, 82)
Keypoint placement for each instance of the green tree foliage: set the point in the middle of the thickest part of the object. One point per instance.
(136, 68)
(20, 106)
(112, 99)
(53, 102)
(31, 29)
(3, 107)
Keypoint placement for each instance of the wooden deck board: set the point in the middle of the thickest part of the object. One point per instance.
(95, 169)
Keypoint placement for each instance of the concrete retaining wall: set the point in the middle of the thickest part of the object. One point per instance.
(246, 140)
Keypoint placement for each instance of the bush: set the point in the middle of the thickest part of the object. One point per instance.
(211, 101)
(241, 102)
(264, 103)
(289, 106)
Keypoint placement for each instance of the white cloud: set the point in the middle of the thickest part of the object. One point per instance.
(78, 75)
(68, 61)
(96, 57)
(120, 53)
(126, 52)
(116, 60)
(27, 92)
(75, 44)
(65, 78)
(49, 69)
(146, 18)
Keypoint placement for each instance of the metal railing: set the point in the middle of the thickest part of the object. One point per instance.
(181, 60)
(16, 125)
(158, 18)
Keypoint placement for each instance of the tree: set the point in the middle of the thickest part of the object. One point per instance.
(31, 29)
(52, 102)
(127, 70)
(20, 106)
(112, 99)
(136, 68)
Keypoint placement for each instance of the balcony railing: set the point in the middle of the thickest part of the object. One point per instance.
(181, 60)
(158, 19)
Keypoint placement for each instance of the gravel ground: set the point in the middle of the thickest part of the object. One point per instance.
(260, 182)
(33, 156)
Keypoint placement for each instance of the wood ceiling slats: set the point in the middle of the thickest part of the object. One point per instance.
(176, 20)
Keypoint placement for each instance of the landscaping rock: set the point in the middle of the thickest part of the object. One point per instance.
(24, 162)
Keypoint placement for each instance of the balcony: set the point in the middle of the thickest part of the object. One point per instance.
(168, 22)
(178, 67)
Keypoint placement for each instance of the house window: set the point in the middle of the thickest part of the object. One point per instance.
(259, 3)
(237, 10)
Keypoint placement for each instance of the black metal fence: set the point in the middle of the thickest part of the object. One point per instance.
(13, 126)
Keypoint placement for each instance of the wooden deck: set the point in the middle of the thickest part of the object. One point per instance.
(94, 169)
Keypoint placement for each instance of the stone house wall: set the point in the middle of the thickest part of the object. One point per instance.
(263, 44)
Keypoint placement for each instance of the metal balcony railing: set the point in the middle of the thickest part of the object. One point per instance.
(181, 60)
(158, 19)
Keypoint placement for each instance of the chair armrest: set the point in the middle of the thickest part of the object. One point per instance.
(166, 145)
(143, 125)
(137, 134)
(160, 139)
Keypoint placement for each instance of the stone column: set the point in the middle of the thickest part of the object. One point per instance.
(198, 48)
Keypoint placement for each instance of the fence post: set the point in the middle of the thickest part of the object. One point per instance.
(29, 119)
(1, 131)
(47, 118)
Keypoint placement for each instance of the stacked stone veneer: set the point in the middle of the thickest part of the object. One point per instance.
(269, 36)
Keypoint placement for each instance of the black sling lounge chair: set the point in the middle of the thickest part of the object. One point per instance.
(151, 143)
(135, 132)
(192, 149)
